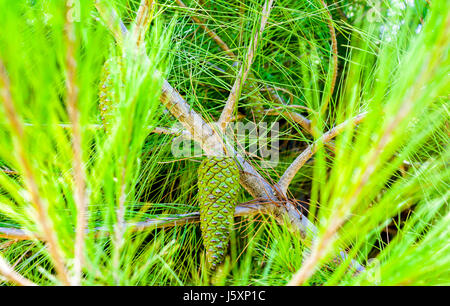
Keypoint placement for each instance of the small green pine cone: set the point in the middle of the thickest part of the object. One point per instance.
(218, 184)
(108, 95)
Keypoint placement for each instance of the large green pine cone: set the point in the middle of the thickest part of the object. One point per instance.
(218, 183)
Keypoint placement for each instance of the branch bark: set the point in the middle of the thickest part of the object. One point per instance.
(257, 206)
(143, 19)
(156, 130)
(12, 276)
(210, 33)
(298, 163)
(294, 116)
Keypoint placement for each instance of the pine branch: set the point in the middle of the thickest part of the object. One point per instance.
(9, 171)
(12, 276)
(143, 19)
(304, 122)
(209, 140)
(257, 206)
(210, 33)
(298, 163)
(156, 130)
(212, 144)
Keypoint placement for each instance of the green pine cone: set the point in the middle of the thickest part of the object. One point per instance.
(218, 184)
(108, 95)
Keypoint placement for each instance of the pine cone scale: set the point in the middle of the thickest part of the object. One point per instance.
(218, 190)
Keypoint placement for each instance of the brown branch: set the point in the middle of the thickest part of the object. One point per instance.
(273, 92)
(242, 210)
(210, 33)
(12, 276)
(227, 112)
(156, 130)
(17, 234)
(143, 19)
(294, 116)
(17, 130)
(298, 163)
(9, 171)
(304, 122)
(191, 121)
(257, 206)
